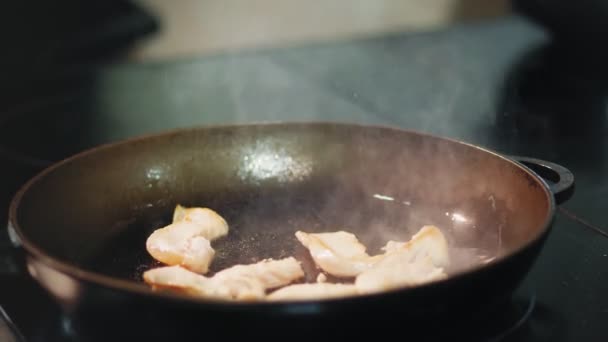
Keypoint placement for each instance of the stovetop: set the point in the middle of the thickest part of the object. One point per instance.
(502, 84)
(507, 323)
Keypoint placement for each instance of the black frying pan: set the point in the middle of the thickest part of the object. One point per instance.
(83, 223)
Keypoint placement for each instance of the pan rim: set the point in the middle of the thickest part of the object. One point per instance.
(131, 287)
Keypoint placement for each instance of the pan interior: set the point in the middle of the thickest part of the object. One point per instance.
(96, 211)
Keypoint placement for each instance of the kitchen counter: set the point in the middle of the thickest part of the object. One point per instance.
(500, 83)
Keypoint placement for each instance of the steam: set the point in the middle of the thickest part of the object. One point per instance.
(388, 187)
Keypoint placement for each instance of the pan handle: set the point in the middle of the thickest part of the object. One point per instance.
(559, 178)
(12, 260)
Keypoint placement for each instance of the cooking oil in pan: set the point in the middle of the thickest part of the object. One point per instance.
(263, 226)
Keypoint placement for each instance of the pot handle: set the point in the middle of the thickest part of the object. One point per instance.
(559, 178)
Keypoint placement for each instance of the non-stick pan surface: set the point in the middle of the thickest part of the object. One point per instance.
(83, 222)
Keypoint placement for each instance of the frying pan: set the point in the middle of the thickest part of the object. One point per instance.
(80, 225)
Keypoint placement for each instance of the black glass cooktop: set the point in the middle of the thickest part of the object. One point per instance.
(503, 84)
